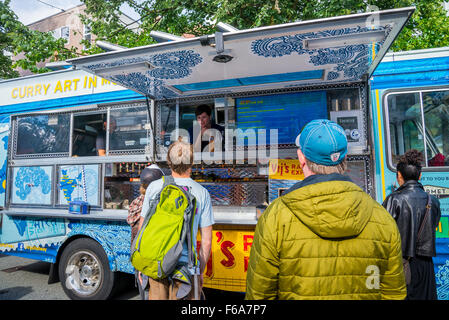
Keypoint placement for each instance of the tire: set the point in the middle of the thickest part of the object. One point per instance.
(84, 271)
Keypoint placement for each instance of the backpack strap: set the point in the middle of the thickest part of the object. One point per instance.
(149, 214)
(193, 261)
(168, 180)
(428, 207)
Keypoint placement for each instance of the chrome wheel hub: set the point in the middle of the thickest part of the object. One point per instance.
(84, 273)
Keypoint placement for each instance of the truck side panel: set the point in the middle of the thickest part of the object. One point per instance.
(412, 77)
(41, 238)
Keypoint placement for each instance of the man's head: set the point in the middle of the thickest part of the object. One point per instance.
(203, 114)
(180, 157)
(148, 175)
(112, 125)
(322, 148)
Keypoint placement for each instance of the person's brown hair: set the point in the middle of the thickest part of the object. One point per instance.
(322, 169)
(180, 157)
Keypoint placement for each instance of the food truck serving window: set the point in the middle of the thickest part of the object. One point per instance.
(89, 135)
(43, 134)
(182, 116)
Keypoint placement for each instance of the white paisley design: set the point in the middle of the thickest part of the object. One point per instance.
(351, 61)
(442, 281)
(169, 65)
(115, 238)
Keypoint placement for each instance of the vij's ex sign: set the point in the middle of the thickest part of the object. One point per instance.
(229, 259)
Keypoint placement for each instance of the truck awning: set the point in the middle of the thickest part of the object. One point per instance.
(334, 50)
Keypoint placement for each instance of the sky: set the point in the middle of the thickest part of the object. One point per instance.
(29, 11)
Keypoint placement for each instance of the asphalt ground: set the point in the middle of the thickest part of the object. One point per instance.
(26, 279)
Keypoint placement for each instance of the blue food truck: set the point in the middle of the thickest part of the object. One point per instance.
(410, 110)
(262, 86)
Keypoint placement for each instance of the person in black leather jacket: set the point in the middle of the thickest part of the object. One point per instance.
(407, 205)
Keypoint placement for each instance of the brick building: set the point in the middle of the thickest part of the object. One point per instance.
(68, 25)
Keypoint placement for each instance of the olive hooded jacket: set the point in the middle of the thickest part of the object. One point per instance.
(326, 239)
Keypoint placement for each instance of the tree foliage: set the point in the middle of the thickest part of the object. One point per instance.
(29, 46)
(428, 27)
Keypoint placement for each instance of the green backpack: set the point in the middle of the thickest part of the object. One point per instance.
(168, 224)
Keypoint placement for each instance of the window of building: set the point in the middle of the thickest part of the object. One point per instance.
(87, 35)
(65, 32)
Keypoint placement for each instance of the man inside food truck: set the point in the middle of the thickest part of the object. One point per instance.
(202, 137)
(100, 142)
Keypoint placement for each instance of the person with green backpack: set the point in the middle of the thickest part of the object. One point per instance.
(174, 209)
(148, 175)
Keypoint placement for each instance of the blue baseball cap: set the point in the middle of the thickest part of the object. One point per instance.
(323, 141)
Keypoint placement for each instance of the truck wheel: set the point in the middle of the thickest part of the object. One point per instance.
(84, 271)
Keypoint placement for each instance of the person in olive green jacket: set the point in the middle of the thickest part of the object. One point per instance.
(325, 238)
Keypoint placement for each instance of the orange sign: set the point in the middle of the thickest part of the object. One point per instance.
(285, 169)
(227, 266)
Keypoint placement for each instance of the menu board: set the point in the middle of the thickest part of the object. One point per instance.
(286, 113)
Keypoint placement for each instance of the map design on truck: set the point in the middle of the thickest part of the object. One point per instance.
(67, 184)
(32, 185)
(79, 182)
(32, 231)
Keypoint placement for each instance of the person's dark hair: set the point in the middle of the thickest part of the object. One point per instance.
(203, 108)
(410, 165)
(149, 175)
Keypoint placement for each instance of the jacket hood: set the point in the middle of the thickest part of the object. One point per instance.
(331, 209)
